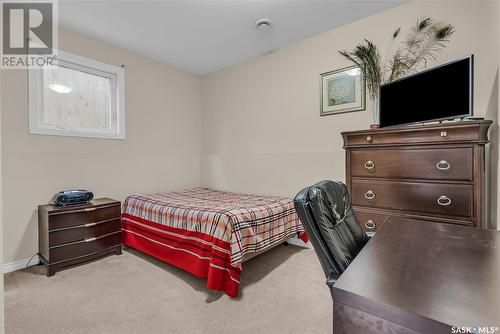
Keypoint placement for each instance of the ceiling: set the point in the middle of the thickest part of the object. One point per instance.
(204, 36)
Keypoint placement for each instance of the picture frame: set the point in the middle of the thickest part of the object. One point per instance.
(342, 91)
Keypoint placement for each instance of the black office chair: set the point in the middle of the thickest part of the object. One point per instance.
(337, 237)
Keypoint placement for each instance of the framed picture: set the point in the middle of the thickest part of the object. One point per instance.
(342, 91)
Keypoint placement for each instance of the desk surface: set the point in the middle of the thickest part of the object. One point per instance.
(426, 276)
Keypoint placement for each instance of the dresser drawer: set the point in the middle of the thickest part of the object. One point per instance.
(465, 132)
(83, 216)
(419, 198)
(436, 164)
(81, 248)
(82, 232)
(370, 222)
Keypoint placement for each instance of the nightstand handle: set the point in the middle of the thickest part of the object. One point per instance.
(90, 239)
(89, 209)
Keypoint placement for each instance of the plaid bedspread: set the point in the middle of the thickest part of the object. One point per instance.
(210, 229)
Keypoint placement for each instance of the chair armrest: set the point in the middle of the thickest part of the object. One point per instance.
(330, 281)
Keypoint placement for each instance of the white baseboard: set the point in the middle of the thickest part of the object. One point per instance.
(298, 242)
(21, 264)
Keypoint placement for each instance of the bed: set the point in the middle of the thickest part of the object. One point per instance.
(207, 232)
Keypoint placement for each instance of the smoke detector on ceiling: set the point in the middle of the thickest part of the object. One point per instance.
(263, 25)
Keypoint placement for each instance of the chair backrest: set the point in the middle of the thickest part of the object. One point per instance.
(337, 237)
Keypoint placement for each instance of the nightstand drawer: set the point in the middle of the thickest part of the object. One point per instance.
(413, 197)
(81, 216)
(85, 247)
(433, 164)
(82, 232)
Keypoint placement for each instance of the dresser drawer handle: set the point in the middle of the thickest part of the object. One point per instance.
(369, 165)
(370, 224)
(89, 209)
(443, 165)
(369, 138)
(370, 195)
(90, 239)
(444, 201)
(90, 224)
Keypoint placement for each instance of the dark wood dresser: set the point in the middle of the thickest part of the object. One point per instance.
(427, 172)
(72, 234)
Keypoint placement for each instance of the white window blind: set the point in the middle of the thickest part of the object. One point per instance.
(77, 97)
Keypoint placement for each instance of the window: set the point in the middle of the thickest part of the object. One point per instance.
(77, 97)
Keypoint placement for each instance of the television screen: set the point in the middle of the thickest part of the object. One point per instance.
(444, 92)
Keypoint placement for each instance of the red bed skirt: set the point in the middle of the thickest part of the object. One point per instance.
(197, 253)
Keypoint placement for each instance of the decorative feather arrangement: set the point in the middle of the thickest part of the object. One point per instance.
(424, 42)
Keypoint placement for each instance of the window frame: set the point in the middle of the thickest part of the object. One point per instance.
(114, 73)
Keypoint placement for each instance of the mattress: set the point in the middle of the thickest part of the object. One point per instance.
(208, 232)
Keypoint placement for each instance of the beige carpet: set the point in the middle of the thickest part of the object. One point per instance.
(282, 291)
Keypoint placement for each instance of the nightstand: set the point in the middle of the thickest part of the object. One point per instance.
(72, 234)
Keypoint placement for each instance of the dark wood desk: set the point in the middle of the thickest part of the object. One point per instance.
(421, 277)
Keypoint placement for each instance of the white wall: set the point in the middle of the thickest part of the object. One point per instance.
(161, 152)
(492, 113)
(2, 328)
(262, 132)
(495, 152)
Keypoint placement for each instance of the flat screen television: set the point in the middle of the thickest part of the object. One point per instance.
(443, 92)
